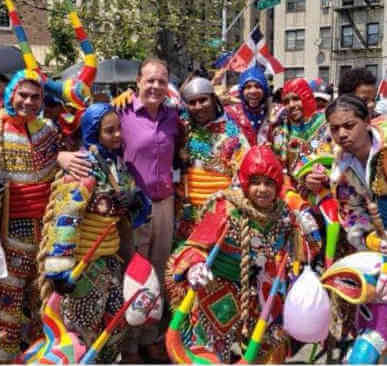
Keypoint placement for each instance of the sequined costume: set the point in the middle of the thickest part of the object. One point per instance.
(243, 270)
(350, 184)
(79, 211)
(28, 151)
(295, 141)
(254, 124)
(214, 152)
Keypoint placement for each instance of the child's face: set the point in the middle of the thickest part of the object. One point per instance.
(262, 191)
(110, 132)
(293, 104)
(368, 94)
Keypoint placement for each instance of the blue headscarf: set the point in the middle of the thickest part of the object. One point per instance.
(90, 125)
(256, 74)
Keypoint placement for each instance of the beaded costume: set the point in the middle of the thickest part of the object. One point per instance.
(78, 212)
(295, 142)
(350, 189)
(214, 153)
(354, 186)
(28, 151)
(226, 310)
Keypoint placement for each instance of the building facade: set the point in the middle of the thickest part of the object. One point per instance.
(34, 17)
(324, 38)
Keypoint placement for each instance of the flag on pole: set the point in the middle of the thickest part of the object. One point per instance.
(254, 50)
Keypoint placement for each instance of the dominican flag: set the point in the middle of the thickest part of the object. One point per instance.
(253, 51)
(382, 88)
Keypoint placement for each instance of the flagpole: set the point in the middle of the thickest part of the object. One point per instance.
(224, 36)
(249, 3)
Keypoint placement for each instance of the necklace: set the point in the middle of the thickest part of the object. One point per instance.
(200, 144)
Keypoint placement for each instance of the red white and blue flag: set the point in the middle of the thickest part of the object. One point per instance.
(254, 50)
(382, 88)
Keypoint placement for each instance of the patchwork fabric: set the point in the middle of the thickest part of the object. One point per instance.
(215, 152)
(215, 319)
(97, 297)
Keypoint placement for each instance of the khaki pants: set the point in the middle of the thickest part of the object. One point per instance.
(154, 241)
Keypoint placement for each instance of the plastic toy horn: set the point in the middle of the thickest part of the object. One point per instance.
(25, 48)
(76, 90)
(329, 208)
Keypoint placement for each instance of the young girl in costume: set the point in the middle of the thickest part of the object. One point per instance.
(230, 295)
(78, 212)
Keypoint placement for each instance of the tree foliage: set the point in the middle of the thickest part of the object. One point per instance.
(63, 50)
(179, 31)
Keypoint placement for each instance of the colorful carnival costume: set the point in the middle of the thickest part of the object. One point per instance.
(255, 241)
(28, 151)
(349, 187)
(298, 143)
(253, 124)
(78, 213)
(213, 150)
(294, 142)
(355, 187)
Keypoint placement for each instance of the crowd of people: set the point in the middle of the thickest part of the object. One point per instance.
(223, 193)
(214, 171)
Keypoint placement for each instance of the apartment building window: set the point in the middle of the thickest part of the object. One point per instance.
(294, 72)
(372, 34)
(346, 36)
(325, 36)
(373, 69)
(347, 2)
(293, 6)
(295, 40)
(4, 18)
(323, 73)
(325, 4)
(344, 69)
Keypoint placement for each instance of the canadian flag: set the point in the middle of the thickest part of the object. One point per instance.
(252, 51)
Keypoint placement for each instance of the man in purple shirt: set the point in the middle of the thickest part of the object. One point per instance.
(149, 132)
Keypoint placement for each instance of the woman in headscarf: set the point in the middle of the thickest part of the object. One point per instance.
(78, 213)
(251, 114)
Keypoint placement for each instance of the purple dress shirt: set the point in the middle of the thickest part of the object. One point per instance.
(149, 147)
